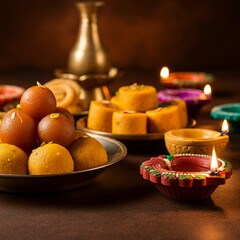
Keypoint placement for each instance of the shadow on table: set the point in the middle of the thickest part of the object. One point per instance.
(119, 186)
(120, 183)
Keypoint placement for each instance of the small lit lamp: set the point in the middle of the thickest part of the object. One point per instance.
(194, 98)
(231, 112)
(184, 79)
(186, 176)
(196, 140)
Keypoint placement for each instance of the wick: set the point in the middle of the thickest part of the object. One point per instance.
(215, 173)
(224, 133)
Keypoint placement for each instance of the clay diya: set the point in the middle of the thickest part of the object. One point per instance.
(186, 176)
(195, 140)
(9, 93)
(185, 79)
(194, 98)
(231, 112)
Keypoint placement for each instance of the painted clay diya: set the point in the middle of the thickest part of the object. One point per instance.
(196, 140)
(187, 79)
(231, 112)
(9, 93)
(185, 176)
(194, 98)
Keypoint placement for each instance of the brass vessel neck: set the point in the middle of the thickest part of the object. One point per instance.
(89, 11)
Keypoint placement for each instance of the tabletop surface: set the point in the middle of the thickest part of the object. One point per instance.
(119, 204)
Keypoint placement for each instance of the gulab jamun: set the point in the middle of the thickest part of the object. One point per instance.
(66, 113)
(38, 101)
(19, 129)
(57, 128)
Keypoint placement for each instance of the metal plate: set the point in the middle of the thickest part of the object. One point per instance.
(63, 182)
(135, 143)
(82, 125)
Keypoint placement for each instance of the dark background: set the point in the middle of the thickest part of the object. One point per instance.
(183, 34)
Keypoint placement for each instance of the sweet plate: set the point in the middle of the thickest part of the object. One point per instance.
(63, 182)
(136, 142)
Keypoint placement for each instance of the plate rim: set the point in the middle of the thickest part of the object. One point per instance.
(116, 142)
(135, 137)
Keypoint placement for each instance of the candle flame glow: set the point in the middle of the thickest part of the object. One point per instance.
(225, 126)
(207, 89)
(164, 72)
(214, 163)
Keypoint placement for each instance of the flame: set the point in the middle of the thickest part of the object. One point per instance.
(225, 126)
(164, 72)
(214, 163)
(207, 89)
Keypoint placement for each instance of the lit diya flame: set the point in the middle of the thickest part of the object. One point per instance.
(214, 163)
(207, 89)
(164, 73)
(225, 129)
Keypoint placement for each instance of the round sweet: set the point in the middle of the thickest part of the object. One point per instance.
(13, 160)
(19, 129)
(50, 159)
(57, 128)
(66, 113)
(138, 98)
(38, 101)
(128, 122)
(100, 115)
(87, 152)
(80, 134)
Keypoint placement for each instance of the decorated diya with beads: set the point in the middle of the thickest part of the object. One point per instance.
(186, 176)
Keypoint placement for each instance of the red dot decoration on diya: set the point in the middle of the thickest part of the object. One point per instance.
(185, 176)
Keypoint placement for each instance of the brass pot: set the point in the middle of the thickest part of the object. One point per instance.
(88, 55)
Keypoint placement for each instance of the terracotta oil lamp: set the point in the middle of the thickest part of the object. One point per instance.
(186, 176)
(231, 112)
(196, 140)
(184, 79)
(194, 98)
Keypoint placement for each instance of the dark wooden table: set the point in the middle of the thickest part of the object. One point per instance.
(120, 204)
